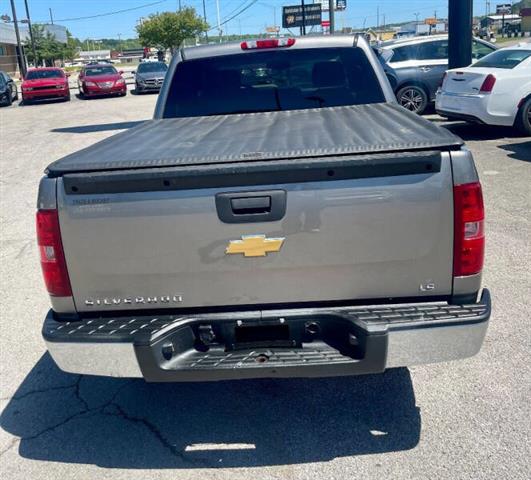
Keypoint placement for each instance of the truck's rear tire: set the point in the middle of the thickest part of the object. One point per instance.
(523, 118)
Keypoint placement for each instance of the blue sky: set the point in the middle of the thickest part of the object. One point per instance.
(253, 20)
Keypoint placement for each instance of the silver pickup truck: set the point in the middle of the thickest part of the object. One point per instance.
(280, 216)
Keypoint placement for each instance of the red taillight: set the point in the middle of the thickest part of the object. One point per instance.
(469, 233)
(52, 256)
(268, 43)
(488, 84)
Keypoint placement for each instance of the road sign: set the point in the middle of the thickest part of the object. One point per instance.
(325, 23)
(292, 16)
(340, 5)
(504, 9)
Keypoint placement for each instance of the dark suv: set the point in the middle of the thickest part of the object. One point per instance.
(417, 67)
(8, 89)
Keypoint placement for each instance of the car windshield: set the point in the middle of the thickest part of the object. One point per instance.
(38, 74)
(503, 59)
(273, 80)
(152, 67)
(100, 70)
(2, 80)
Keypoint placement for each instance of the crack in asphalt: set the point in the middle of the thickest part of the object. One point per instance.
(101, 409)
(13, 442)
(42, 390)
(121, 413)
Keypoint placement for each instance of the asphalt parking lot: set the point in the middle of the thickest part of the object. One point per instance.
(467, 419)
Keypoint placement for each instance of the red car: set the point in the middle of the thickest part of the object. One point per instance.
(45, 83)
(98, 80)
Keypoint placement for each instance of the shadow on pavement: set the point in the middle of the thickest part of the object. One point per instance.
(472, 131)
(120, 423)
(103, 127)
(519, 151)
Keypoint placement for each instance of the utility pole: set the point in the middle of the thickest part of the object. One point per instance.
(459, 33)
(219, 22)
(204, 18)
(20, 53)
(120, 42)
(180, 6)
(51, 16)
(332, 15)
(31, 33)
(377, 17)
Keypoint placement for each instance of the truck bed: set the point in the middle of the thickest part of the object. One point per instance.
(266, 136)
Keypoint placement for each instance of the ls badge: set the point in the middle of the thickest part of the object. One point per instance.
(254, 246)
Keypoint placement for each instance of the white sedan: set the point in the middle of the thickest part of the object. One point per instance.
(496, 90)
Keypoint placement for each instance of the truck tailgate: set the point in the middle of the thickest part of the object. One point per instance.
(358, 227)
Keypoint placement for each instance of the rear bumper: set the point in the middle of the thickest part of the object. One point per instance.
(472, 108)
(300, 342)
(459, 116)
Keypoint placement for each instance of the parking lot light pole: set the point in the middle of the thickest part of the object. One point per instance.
(20, 53)
(459, 33)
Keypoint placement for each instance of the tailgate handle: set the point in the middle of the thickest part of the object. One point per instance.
(250, 205)
(247, 207)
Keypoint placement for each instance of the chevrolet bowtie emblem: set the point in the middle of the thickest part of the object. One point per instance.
(254, 246)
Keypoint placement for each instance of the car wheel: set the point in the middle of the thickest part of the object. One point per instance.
(67, 98)
(523, 118)
(16, 95)
(413, 98)
(7, 100)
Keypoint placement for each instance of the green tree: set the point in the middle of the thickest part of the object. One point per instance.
(71, 48)
(168, 30)
(48, 49)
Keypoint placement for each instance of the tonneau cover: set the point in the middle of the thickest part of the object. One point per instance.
(320, 132)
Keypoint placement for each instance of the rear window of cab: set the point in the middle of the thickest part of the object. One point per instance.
(273, 80)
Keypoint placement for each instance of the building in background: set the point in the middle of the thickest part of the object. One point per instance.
(430, 26)
(87, 56)
(499, 23)
(8, 43)
(132, 55)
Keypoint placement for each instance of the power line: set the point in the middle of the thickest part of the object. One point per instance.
(99, 15)
(236, 14)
